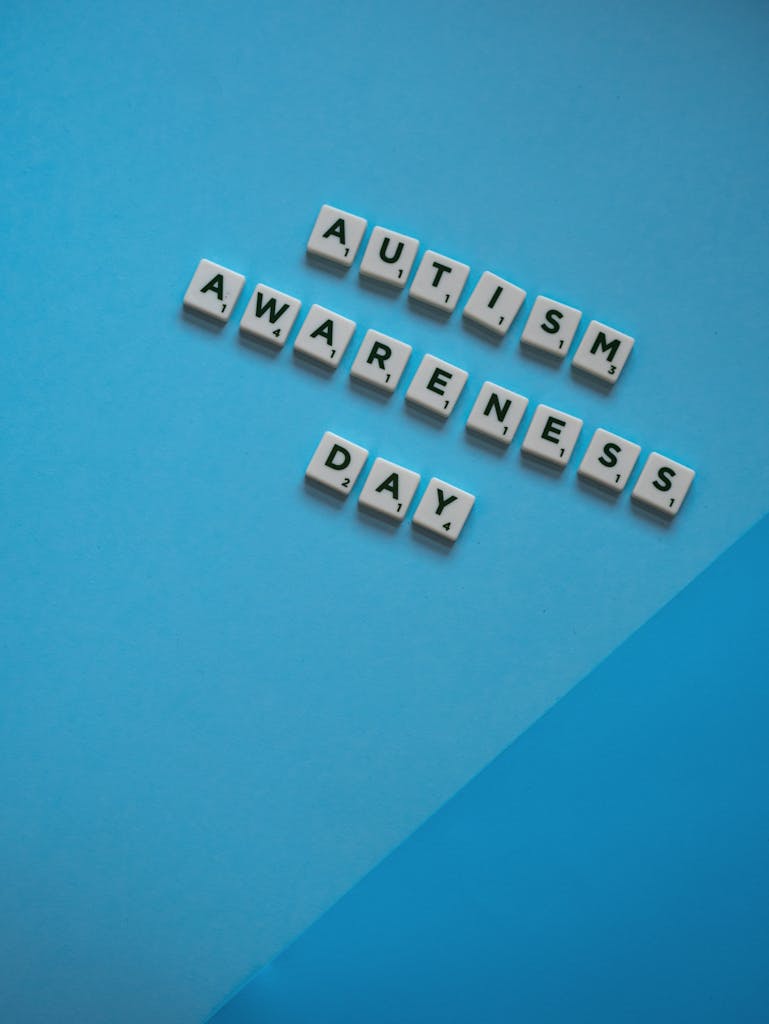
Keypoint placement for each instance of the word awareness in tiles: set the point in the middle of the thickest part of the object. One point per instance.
(436, 386)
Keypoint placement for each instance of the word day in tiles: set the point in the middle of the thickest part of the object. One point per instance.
(435, 385)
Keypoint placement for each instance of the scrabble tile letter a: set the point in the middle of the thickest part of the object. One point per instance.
(336, 236)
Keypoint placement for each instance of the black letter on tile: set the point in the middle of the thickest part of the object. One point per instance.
(495, 296)
(270, 308)
(665, 474)
(326, 330)
(390, 484)
(443, 502)
(383, 251)
(552, 431)
(338, 450)
(440, 270)
(337, 229)
(610, 347)
(500, 410)
(441, 377)
(610, 451)
(379, 354)
(216, 284)
(550, 317)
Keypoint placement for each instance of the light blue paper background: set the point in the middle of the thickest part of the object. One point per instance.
(224, 700)
(610, 866)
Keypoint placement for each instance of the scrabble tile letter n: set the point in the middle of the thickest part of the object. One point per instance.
(336, 236)
(496, 413)
(213, 291)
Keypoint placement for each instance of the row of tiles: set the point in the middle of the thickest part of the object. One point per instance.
(443, 509)
(494, 303)
(270, 315)
(389, 488)
(436, 386)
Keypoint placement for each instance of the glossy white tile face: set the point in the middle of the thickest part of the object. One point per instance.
(380, 361)
(336, 463)
(213, 291)
(270, 315)
(663, 485)
(389, 490)
(443, 510)
(552, 435)
(389, 257)
(439, 281)
(336, 236)
(602, 352)
(551, 326)
(609, 460)
(494, 303)
(496, 413)
(436, 386)
(324, 336)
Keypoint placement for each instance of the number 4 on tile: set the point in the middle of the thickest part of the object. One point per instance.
(443, 510)
(270, 315)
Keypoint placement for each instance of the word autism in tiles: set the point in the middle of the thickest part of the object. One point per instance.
(497, 412)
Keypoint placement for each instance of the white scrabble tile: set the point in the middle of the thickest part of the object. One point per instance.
(551, 326)
(494, 303)
(389, 489)
(389, 257)
(336, 463)
(324, 336)
(552, 435)
(496, 413)
(380, 361)
(602, 352)
(436, 386)
(336, 235)
(663, 484)
(213, 291)
(443, 509)
(609, 460)
(270, 315)
(439, 281)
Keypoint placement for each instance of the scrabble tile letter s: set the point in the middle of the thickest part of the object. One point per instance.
(663, 485)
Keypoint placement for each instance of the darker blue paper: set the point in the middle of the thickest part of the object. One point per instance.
(610, 866)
